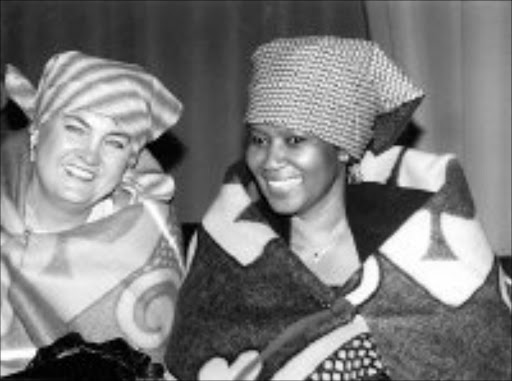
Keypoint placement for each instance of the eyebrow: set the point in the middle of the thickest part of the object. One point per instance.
(78, 119)
(83, 122)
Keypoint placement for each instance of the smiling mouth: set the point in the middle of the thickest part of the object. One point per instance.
(285, 185)
(79, 173)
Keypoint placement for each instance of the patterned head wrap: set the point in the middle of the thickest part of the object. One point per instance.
(73, 81)
(345, 91)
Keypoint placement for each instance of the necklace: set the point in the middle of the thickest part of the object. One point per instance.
(313, 244)
(28, 220)
(26, 236)
(332, 257)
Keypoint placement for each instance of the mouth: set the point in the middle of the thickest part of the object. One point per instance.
(283, 185)
(79, 173)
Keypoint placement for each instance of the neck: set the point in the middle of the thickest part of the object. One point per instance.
(42, 214)
(318, 236)
(328, 213)
(324, 241)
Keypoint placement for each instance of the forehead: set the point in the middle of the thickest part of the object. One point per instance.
(277, 130)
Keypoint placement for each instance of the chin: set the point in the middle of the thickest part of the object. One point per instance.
(284, 208)
(74, 198)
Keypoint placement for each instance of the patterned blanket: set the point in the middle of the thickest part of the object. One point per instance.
(116, 276)
(429, 302)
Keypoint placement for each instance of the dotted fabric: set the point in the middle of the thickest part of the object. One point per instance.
(331, 87)
(356, 360)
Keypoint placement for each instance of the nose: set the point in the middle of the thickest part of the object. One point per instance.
(91, 153)
(275, 156)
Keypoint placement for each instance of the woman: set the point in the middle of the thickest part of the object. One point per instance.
(331, 254)
(90, 241)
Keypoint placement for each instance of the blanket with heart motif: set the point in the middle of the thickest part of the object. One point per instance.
(429, 302)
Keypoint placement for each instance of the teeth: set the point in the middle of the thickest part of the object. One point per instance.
(79, 173)
(283, 185)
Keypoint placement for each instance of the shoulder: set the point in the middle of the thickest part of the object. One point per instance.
(442, 245)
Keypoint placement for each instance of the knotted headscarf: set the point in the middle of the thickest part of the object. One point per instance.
(73, 81)
(345, 91)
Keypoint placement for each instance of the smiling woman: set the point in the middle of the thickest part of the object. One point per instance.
(293, 169)
(329, 253)
(81, 158)
(90, 241)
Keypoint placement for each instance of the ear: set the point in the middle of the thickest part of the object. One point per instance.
(133, 160)
(34, 139)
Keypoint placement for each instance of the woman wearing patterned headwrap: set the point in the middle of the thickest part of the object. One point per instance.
(90, 241)
(330, 253)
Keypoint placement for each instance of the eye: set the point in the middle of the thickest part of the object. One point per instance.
(294, 140)
(257, 139)
(74, 128)
(117, 143)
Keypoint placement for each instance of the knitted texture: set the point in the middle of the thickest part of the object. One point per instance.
(330, 87)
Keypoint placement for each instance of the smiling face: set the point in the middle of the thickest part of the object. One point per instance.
(298, 174)
(80, 159)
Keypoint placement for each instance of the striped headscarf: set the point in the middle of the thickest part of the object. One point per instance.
(73, 81)
(345, 91)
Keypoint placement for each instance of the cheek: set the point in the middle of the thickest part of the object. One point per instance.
(310, 161)
(319, 169)
(114, 170)
(47, 141)
(53, 144)
(254, 159)
(48, 150)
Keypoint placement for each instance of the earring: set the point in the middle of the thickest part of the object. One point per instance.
(34, 137)
(343, 157)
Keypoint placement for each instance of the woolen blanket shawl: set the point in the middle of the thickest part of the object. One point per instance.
(116, 276)
(430, 291)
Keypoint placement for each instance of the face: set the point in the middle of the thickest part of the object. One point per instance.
(80, 159)
(297, 173)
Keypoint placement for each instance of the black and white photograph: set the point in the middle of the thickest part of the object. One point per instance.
(266, 190)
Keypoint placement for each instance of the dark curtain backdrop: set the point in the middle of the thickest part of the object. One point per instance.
(199, 49)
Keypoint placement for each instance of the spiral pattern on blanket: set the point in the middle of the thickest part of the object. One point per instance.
(145, 311)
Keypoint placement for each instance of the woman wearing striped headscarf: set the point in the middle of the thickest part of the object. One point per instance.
(90, 241)
(329, 253)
